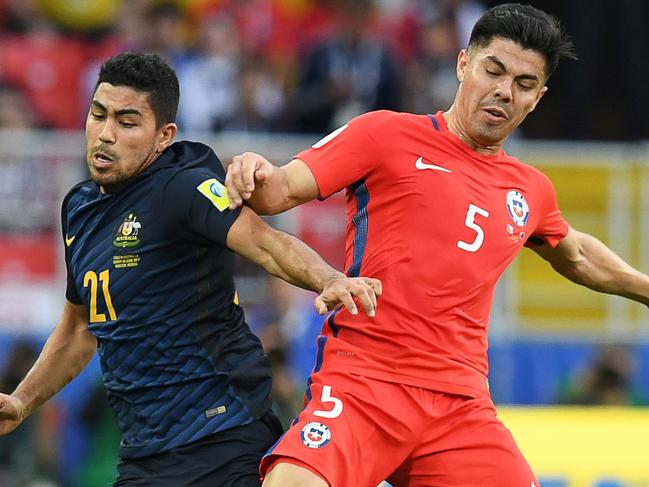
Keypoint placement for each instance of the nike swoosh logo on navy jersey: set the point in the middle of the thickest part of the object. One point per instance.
(420, 164)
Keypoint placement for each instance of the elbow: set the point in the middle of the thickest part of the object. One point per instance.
(574, 272)
(588, 277)
(88, 348)
(272, 210)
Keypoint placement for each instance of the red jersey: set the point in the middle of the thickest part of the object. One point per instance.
(437, 223)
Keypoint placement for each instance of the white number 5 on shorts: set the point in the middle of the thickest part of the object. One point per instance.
(327, 397)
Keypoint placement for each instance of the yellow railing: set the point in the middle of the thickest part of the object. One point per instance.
(601, 190)
(583, 446)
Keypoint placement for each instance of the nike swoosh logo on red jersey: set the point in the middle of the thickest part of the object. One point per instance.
(420, 164)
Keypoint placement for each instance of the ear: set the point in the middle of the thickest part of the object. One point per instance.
(462, 63)
(539, 96)
(166, 135)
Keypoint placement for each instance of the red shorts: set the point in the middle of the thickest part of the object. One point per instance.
(359, 431)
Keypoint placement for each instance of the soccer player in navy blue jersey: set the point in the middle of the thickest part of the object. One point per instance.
(149, 244)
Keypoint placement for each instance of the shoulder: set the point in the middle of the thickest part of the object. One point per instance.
(78, 194)
(196, 154)
(186, 163)
(386, 117)
(384, 125)
(529, 172)
(200, 181)
(187, 156)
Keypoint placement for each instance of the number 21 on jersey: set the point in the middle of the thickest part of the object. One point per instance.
(471, 223)
(92, 279)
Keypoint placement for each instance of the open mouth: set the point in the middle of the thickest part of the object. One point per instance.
(496, 113)
(102, 159)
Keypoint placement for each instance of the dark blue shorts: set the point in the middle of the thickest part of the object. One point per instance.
(229, 458)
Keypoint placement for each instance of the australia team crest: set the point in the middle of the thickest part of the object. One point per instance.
(517, 206)
(127, 234)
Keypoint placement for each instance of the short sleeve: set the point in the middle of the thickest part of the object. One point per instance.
(195, 205)
(552, 227)
(71, 293)
(349, 153)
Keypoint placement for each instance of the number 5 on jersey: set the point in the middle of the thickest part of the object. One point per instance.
(91, 279)
(471, 223)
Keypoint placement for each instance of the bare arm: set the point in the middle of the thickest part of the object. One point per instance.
(269, 189)
(587, 261)
(292, 260)
(66, 352)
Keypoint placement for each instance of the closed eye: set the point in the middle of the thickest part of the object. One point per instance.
(527, 83)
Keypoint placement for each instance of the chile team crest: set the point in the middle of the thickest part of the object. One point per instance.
(315, 435)
(517, 207)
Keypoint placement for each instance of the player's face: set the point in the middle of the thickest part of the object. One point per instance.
(121, 136)
(499, 85)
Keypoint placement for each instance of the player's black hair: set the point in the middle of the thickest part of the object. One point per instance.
(529, 27)
(148, 73)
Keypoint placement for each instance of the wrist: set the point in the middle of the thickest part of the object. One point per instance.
(21, 406)
(331, 279)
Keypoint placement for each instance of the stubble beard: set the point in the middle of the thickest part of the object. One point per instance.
(489, 135)
(106, 179)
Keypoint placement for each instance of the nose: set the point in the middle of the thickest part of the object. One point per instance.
(504, 90)
(107, 133)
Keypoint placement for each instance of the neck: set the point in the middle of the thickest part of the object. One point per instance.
(457, 128)
(113, 188)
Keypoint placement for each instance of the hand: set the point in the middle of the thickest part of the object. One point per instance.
(12, 413)
(342, 292)
(245, 172)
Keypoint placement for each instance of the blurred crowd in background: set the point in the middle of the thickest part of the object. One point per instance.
(290, 66)
(254, 65)
(310, 65)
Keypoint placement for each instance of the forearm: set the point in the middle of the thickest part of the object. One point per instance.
(600, 269)
(63, 357)
(293, 261)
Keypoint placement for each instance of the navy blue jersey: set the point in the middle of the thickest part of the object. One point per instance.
(150, 265)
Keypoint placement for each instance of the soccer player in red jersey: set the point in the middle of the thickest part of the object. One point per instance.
(437, 211)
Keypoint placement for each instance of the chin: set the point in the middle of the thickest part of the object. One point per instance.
(105, 181)
(491, 136)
